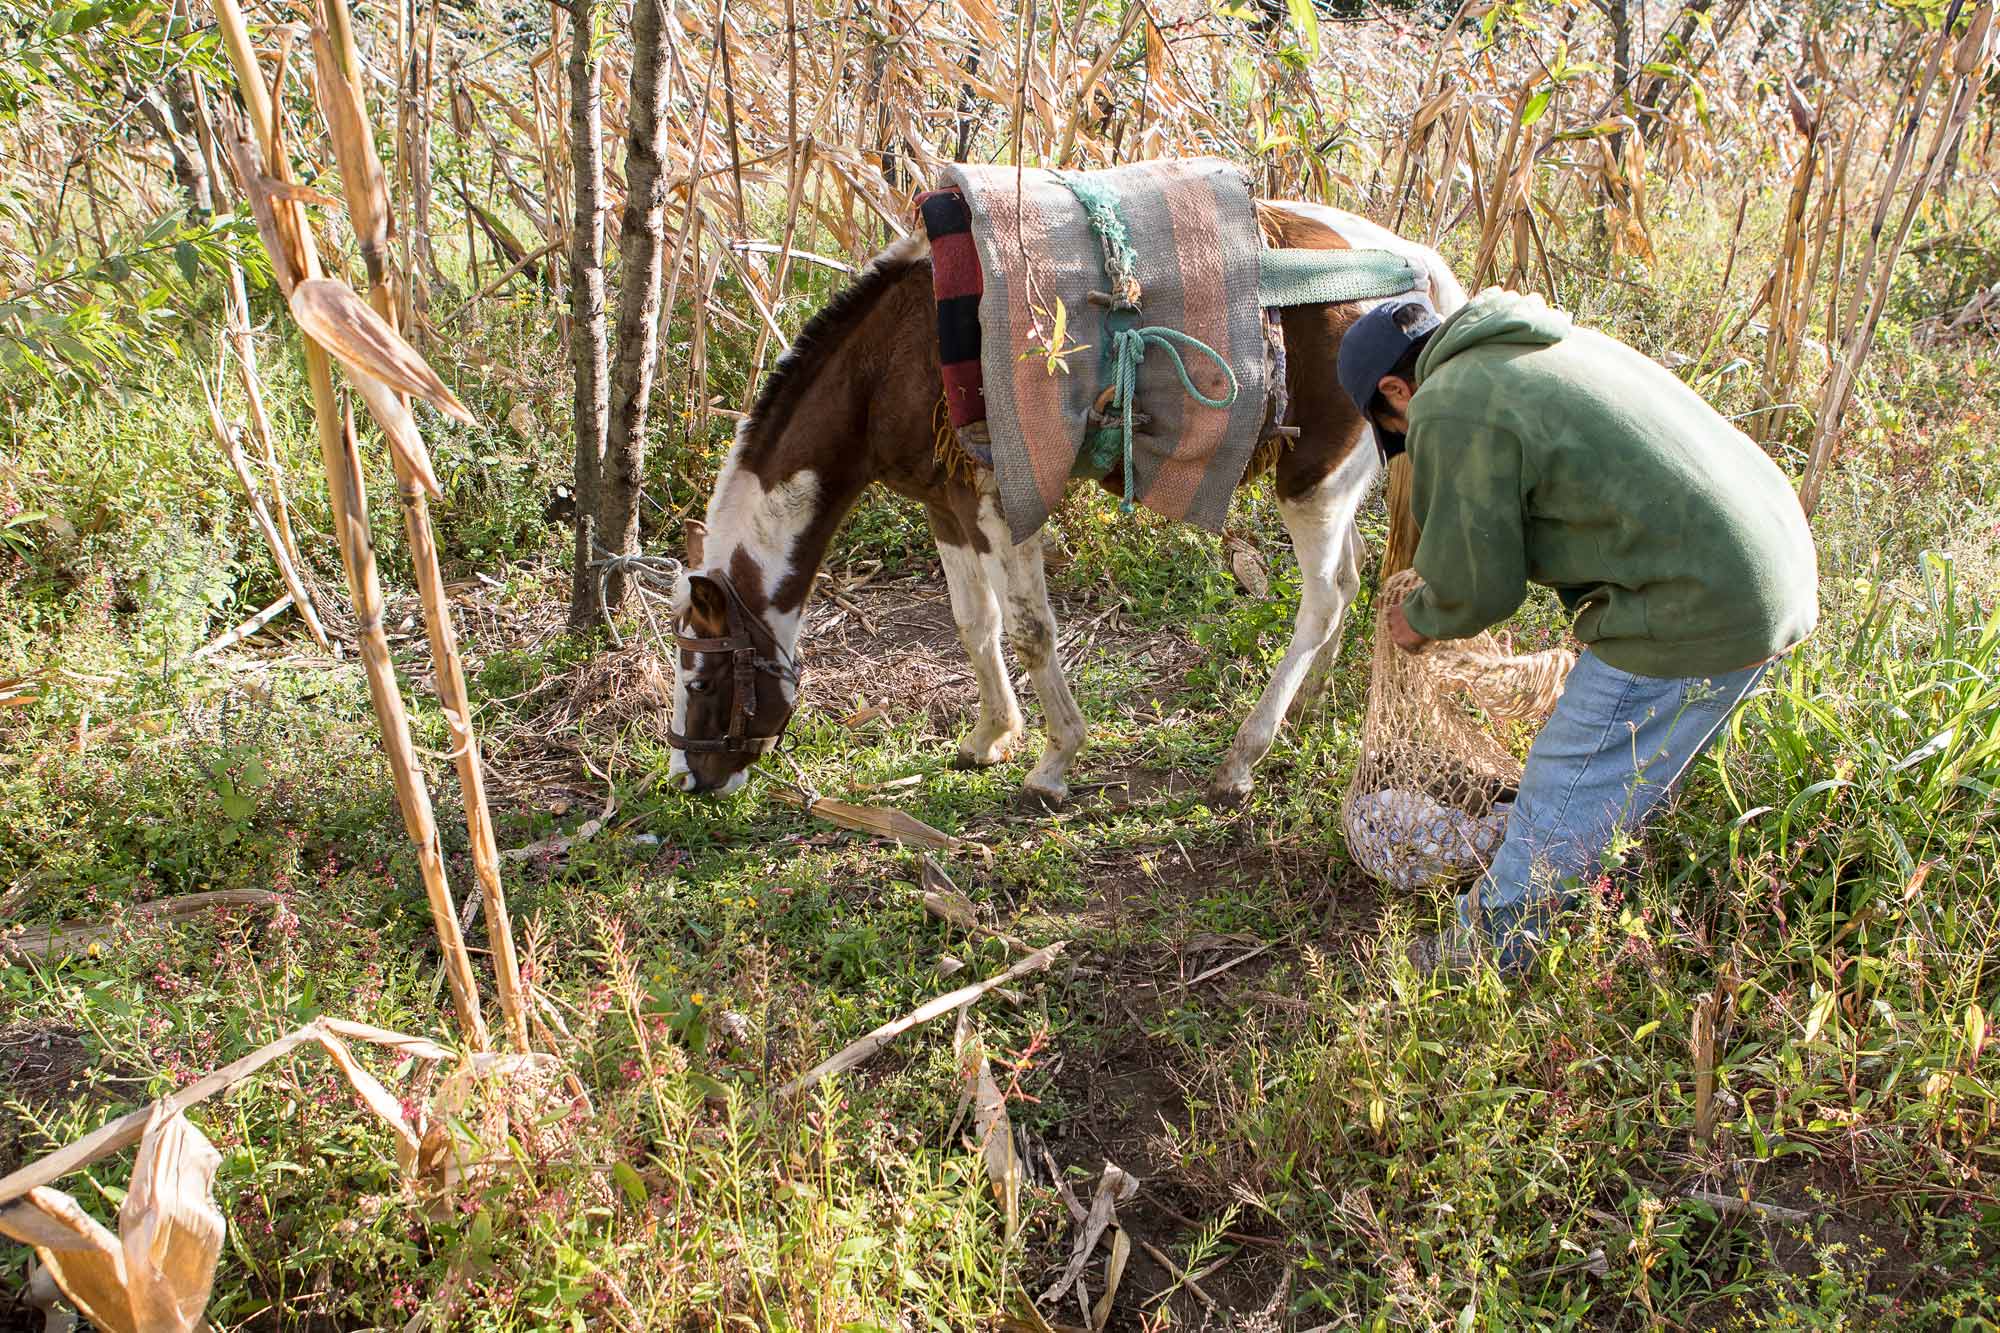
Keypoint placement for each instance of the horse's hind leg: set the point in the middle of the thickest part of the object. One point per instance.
(1321, 524)
(1320, 674)
(1031, 631)
(975, 605)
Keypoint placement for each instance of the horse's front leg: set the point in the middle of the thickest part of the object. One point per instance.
(1321, 524)
(1017, 572)
(975, 605)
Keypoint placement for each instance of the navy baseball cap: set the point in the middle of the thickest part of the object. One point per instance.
(1373, 346)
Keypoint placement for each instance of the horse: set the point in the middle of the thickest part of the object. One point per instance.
(852, 404)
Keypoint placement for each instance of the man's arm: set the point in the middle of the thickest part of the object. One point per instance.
(1465, 489)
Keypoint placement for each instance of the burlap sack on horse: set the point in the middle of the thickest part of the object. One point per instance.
(1437, 775)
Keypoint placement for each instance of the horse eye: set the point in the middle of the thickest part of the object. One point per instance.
(698, 686)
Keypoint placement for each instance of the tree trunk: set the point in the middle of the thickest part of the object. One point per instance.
(1651, 94)
(171, 114)
(639, 292)
(586, 302)
(968, 106)
(1620, 14)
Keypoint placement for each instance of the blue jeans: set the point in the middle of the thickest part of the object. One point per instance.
(1613, 751)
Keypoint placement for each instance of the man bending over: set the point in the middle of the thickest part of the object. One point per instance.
(1541, 452)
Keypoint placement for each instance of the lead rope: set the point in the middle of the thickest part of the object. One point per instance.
(1128, 349)
(1127, 346)
(646, 573)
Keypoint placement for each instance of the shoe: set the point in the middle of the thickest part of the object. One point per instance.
(1455, 950)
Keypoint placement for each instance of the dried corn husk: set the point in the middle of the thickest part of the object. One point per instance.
(170, 1226)
(86, 1261)
(992, 1128)
(155, 1275)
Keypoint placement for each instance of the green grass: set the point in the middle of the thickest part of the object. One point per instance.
(1414, 1154)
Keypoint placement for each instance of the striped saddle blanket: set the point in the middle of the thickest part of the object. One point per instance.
(1091, 320)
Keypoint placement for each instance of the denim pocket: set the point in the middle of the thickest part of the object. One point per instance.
(1718, 695)
(1702, 694)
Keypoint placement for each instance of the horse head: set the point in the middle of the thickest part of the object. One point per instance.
(736, 685)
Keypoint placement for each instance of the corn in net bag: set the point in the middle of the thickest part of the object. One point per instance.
(1438, 770)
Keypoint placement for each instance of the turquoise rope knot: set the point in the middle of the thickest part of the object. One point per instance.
(1128, 349)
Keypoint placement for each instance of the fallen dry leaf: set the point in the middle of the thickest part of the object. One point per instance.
(855, 1052)
(1114, 1187)
(874, 819)
(1248, 568)
(992, 1127)
(863, 715)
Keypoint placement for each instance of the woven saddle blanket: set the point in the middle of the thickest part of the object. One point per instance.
(1051, 286)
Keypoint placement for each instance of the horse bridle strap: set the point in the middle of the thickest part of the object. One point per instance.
(746, 661)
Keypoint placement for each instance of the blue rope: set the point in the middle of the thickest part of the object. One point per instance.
(1128, 349)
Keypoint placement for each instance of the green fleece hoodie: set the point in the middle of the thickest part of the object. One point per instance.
(1547, 453)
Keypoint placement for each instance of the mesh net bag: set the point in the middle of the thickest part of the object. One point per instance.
(1439, 767)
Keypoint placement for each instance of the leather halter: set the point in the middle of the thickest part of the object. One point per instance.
(740, 643)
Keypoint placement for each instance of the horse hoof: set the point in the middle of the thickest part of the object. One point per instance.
(972, 756)
(967, 761)
(1044, 797)
(1227, 795)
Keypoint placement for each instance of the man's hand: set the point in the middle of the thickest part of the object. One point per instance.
(1399, 630)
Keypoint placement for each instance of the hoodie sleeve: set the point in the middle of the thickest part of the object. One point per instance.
(1465, 489)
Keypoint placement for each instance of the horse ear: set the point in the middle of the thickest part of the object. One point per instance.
(707, 610)
(695, 535)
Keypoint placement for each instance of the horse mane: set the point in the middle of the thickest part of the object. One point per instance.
(822, 334)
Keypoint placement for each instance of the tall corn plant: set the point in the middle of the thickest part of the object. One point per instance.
(1962, 59)
(384, 370)
(340, 90)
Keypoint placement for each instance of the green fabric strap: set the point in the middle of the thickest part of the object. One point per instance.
(1318, 277)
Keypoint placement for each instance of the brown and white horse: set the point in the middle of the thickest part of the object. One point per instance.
(852, 404)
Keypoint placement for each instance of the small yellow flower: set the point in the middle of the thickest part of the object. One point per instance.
(698, 999)
(96, 950)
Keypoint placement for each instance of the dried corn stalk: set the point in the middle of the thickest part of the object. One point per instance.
(155, 1275)
(1970, 55)
(858, 1051)
(368, 204)
(378, 363)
